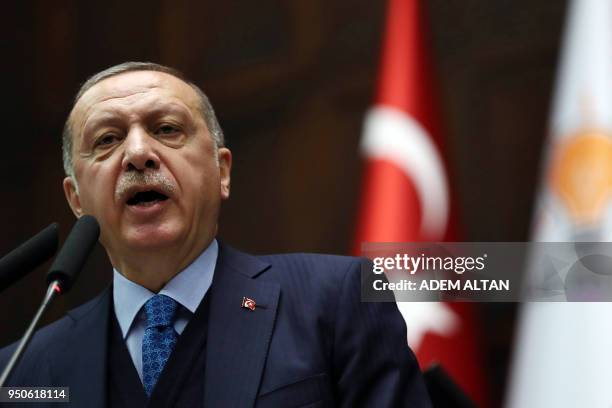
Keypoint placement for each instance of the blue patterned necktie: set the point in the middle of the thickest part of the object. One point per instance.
(159, 338)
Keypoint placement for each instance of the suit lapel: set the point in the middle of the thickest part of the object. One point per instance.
(237, 344)
(238, 338)
(81, 361)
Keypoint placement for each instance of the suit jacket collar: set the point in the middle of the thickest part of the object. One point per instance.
(235, 261)
(238, 338)
(80, 361)
(237, 346)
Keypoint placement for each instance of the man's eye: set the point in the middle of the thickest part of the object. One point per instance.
(166, 130)
(107, 139)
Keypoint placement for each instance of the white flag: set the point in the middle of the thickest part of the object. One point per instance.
(563, 352)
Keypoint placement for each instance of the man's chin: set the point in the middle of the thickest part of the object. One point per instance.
(151, 239)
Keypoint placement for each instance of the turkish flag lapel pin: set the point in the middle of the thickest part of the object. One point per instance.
(248, 303)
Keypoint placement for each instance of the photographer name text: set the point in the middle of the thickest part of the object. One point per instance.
(444, 285)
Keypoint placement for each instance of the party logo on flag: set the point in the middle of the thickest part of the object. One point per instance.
(581, 175)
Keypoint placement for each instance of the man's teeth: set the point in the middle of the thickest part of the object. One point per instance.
(148, 203)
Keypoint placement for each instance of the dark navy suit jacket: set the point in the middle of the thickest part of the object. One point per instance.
(310, 342)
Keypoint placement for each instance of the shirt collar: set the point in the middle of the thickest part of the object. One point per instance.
(188, 288)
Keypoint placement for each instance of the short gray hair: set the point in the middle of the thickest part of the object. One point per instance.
(208, 113)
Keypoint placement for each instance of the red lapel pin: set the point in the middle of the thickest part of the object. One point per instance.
(248, 303)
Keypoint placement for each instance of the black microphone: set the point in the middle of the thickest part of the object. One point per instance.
(73, 255)
(60, 277)
(23, 259)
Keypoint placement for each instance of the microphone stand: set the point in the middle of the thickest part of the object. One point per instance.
(53, 291)
(60, 277)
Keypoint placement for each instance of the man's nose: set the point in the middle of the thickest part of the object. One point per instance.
(140, 153)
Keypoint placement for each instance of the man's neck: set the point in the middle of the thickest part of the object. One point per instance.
(153, 269)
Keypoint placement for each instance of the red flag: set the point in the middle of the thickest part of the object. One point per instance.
(406, 197)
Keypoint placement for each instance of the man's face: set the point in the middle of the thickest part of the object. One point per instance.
(146, 164)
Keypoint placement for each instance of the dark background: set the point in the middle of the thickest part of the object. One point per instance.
(291, 81)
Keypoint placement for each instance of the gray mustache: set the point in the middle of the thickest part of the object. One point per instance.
(144, 179)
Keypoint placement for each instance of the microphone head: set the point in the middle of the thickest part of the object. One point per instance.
(23, 259)
(73, 254)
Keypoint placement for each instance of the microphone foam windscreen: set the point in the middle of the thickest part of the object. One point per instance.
(23, 259)
(72, 256)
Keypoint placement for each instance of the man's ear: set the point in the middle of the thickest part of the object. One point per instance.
(72, 196)
(225, 167)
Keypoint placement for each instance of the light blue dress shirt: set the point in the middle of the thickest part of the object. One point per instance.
(187, 288)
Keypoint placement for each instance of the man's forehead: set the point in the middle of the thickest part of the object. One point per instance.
(130, 85)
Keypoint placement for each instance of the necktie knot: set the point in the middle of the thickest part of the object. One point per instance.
(160, 311)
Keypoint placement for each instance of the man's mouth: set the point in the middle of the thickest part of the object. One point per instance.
(146, 198)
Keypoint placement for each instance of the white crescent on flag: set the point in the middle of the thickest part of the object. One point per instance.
(392, 135)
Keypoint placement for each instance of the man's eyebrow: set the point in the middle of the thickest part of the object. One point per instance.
(169, 107)
(100, 118)
(158, 110)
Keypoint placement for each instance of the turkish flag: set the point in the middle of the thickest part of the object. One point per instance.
(406, 195)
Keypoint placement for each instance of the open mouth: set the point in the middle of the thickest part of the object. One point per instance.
(146, 198)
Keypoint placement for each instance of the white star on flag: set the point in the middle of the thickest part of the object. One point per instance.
(423, 317)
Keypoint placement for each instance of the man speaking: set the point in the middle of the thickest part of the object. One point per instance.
(188, 321)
